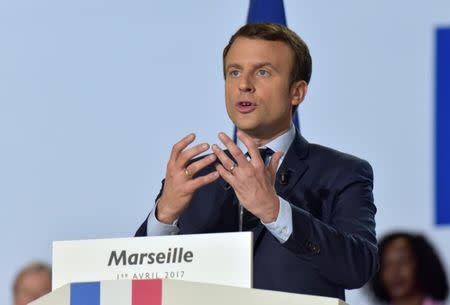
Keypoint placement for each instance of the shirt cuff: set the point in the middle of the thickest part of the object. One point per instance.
(281, 228)
(157, 228)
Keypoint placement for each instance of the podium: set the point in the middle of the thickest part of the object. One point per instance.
(172, 292)
(163, 270)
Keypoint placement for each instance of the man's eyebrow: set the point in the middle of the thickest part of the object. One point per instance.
(236, 66)
(256, 66)
(266, 64)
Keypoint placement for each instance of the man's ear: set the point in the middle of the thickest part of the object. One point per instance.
(298, 92)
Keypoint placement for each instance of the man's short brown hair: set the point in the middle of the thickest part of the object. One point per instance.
(302, 66)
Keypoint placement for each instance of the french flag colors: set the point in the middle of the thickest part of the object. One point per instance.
(136, 292)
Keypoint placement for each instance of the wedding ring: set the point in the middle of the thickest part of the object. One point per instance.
(186, 172)
(232, 167)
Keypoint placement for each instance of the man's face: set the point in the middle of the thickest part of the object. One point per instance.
(31, 286)
(258, 94)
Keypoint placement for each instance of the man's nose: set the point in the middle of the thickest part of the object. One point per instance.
(246, 84)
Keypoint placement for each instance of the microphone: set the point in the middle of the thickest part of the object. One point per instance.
(283, 176)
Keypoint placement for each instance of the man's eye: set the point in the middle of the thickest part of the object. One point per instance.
(235, 73)
(263, 72)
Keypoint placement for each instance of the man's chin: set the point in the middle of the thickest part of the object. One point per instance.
(244, 124)
(252, 131)
(247, 128)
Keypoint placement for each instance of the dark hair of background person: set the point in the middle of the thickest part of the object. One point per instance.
(302, 66)
(430, 273)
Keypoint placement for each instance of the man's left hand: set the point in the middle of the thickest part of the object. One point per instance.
(252, 181)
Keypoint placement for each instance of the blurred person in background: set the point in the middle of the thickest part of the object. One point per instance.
(32, 282)
(411, 272)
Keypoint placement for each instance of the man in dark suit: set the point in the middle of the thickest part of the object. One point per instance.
(315, 230)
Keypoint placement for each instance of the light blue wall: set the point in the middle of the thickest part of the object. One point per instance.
(94, 93)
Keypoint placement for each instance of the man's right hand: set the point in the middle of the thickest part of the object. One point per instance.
(179, 185)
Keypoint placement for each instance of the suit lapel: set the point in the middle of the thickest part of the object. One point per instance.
(288, 174)
(293, 167)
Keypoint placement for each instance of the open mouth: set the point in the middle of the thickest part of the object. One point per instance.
(245, 106)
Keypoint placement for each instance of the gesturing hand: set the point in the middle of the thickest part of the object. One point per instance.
(252, 181)
(179, 185)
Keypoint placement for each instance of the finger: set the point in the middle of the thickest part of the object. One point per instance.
(196, 166)
(198, 182)
(190, 153)
(180, 145)
(273, 165)
(251, 146)
(222, 156)
(226, 175)
(235, 151)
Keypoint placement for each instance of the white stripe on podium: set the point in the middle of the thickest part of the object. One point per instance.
(115, 292)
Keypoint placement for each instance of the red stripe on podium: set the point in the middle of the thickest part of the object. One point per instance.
(146, 292)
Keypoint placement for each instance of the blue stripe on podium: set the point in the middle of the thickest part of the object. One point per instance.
(442, 126)
(85, 293)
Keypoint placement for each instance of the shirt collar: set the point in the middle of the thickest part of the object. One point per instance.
(280, 143)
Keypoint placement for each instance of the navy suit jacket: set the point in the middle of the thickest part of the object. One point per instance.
(333, 245)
